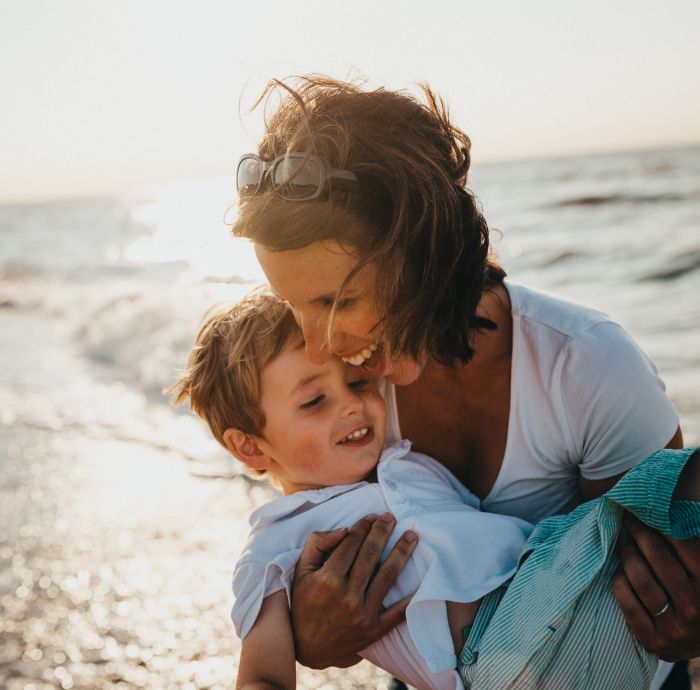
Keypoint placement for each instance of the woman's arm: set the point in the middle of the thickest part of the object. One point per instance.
(657, 571)
(267, 656)
(337, 599)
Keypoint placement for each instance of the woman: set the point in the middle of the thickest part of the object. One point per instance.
(357, 205)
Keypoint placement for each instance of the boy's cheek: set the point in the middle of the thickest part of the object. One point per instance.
(310, 452)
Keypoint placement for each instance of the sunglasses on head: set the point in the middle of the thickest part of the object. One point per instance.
(293, 176)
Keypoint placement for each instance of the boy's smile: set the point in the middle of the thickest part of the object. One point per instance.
(324, 423)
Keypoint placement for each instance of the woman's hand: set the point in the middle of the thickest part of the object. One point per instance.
(656, 572)
(337, 600)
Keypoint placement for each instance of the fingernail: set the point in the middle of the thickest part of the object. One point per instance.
(387, 517)
(371, 517)
(410, 536)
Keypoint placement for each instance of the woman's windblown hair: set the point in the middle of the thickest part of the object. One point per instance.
(411, 214)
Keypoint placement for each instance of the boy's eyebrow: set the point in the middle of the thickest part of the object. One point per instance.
(306, 380)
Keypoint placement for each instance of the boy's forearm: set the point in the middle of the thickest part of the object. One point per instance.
(263, 684)
(277, 675)
(267, 654)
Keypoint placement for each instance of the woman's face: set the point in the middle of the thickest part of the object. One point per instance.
(309, 279)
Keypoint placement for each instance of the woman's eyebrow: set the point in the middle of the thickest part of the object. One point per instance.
(332, 296)
(323, 298)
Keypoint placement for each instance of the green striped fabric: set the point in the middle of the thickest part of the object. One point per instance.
(557, 625)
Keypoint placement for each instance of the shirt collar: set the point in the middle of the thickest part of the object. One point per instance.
(285, 505)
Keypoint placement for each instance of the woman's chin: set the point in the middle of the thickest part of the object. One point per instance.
(402, 372)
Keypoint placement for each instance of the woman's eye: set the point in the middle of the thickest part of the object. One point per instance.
(340, 304)
(312, 403)
(345, 303)
(360, 384)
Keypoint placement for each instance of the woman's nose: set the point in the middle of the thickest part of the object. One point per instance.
(316, 350)
(315, 344)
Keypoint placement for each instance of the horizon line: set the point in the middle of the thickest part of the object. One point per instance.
(126, 192)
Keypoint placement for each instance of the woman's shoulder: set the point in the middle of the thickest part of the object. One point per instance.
(541, 309)
(584, 344)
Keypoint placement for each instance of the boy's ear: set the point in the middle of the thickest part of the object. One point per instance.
(246, 448)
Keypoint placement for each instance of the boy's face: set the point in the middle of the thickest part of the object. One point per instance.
(324, 422)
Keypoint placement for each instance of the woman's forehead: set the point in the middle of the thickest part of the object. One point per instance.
(312, 272)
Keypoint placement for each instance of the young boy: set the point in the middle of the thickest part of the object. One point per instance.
(318, 430)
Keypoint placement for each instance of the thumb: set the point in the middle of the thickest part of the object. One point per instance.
(394, 615)
(316, 549)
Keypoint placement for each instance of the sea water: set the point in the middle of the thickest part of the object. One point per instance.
(106, 521)
(128, 279)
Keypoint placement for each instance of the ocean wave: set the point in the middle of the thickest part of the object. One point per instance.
(560, 257)
(588, 200)
(143, 337)
(679, 266)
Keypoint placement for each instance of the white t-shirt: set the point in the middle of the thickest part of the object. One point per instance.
(462, 554)
(584, 398)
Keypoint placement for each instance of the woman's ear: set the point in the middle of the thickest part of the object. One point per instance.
(246, 448)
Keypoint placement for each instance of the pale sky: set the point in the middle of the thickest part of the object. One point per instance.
(105, 96)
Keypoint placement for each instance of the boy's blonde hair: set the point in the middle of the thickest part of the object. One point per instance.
(222, 379)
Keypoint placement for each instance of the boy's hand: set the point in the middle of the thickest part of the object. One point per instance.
(337, 600)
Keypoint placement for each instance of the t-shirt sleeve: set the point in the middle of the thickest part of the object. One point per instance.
(614, 401)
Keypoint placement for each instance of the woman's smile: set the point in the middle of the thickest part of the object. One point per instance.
(362, 357)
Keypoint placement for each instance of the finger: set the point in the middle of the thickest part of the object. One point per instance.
(341, 560)
(688, 552)
(660, 564)
(635, 614)
(394, 615)
(640, 577)
(371, 551)
(316, 549)
(685, 592)
(388, 572)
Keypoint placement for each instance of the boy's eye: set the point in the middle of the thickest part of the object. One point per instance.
(314, 402)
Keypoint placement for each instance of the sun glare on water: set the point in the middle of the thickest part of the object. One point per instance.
(189, 222)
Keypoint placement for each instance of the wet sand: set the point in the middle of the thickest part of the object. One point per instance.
(116, 569)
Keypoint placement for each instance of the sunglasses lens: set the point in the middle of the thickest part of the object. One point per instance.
(248, 175)
(297, 177)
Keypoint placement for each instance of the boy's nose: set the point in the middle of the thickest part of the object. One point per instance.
(353, 404)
